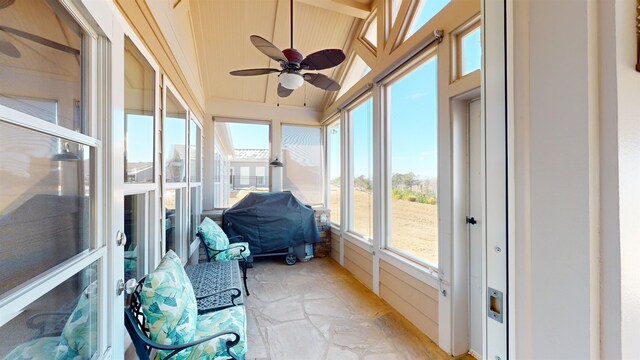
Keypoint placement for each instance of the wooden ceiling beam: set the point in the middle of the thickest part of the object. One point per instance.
(348, 7)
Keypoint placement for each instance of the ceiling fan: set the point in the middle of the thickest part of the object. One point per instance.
(8, 49)
(292, 63)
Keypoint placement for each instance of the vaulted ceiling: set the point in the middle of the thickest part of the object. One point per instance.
(222, 29)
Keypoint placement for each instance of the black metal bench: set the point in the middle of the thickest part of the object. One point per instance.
(216, 284)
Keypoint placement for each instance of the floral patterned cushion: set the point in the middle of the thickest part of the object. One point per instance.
(79, 337)
(213, 235)
(235, 252)
(169, 305)
(43, 348)
(230, 319)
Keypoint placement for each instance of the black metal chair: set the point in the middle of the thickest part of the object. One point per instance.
(136, 325)
(212, 253)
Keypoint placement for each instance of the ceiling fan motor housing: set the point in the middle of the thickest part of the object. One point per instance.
(294, 57)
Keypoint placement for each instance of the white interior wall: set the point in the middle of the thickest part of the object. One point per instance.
(559, 186)
(609, 212)
(628, 153)
(577, 159)
(561, 180)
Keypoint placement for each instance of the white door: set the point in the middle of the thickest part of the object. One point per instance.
(475, 224)
(59, 193)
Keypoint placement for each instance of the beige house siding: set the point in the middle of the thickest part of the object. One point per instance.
(411, 297)
(359, 262)
(335, 247)
(414, 299)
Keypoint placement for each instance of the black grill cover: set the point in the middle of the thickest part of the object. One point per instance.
(271, 221)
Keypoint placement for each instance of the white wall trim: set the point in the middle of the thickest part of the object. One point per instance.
(421, 273)
(362, 244)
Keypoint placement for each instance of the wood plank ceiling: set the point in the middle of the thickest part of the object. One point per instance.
(222, 29)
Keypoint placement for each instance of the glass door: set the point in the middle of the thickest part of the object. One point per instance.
(54, 268)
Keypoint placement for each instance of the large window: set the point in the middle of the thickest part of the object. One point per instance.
(334, 164)
(412, 102)
(361, 198)
(139, 125)
(241, 149)
(139, 169)
(45, 202)
(175, 172)
(175, 138)
(42, 321)
(49, 254)
(302, 159)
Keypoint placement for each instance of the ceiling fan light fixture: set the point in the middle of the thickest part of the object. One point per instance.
(291, 81)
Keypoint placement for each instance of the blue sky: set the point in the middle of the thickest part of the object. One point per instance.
(175, 132)
(414, 113)
(429, 10)
(139, 138)
(249, 136)
(414, 122)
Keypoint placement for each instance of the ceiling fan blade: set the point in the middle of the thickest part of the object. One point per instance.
(283, 91)
(9, 49)
(323, 59)
(322, 81)
(268, 49)
(252, 72)
(40, 40)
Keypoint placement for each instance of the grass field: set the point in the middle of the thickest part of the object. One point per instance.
(414, 226)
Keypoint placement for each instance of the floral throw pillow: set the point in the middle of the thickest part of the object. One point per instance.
(213, 235)
(169, 304)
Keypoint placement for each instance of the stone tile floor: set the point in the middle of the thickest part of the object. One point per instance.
(318, 310)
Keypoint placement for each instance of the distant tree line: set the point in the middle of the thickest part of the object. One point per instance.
(407, 186)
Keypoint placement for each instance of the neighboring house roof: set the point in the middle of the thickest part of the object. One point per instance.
(136, 167)
(251, 154)
(180, 150)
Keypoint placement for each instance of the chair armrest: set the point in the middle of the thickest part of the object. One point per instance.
(237, 294)
(242, 249)
(179, 347)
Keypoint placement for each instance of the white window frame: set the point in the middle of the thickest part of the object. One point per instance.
(349, 193)
(151, 191)
(397, 75)
(327, 155)
(96, 49)
(456, 48)
(182, 212)
(193, 185)
(231, 169)
(261, 179)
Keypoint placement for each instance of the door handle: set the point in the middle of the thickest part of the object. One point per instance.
(471, 220)
(121, 238)
(129, 286)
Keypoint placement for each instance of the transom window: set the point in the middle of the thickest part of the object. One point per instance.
(425, 11)
(470, 58)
